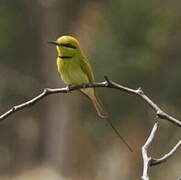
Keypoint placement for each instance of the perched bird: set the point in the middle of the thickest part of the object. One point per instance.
(74, 69)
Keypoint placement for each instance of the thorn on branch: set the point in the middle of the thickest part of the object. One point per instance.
(68, 88)
(161, 114)
(45, 91)
(140, 91)
(107, 80)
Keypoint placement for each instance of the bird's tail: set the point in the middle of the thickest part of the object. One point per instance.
(90, 92)
(99, 107)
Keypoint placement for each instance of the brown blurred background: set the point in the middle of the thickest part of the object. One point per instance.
(135, 43)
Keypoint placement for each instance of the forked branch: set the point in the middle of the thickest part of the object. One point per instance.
(149, 161)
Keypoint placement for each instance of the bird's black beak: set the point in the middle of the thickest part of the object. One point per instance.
(54, 43)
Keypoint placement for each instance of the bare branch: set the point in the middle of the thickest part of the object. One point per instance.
(146, 159)
(149, 161)
(107, 84)
(166, 156)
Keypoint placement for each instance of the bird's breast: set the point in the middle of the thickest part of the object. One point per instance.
(71, 72)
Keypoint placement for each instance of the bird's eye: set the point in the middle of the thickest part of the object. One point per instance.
(68, 45)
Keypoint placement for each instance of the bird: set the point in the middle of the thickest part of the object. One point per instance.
(75, 69)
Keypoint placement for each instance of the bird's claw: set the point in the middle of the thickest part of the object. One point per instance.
(69, 88)
(84, 85)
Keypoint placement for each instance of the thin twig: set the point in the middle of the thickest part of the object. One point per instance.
(149, 161)
(107, 84)
(166, 156)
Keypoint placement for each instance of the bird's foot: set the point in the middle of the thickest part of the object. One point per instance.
(84, 85)
(69, 88)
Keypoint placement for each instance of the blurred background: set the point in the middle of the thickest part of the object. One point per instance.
(135, 43)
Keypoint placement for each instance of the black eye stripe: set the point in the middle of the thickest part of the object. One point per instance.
(68, 45)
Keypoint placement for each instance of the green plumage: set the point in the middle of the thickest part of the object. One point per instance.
(75, 69)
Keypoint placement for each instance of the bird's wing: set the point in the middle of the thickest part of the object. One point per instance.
(86, 68)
